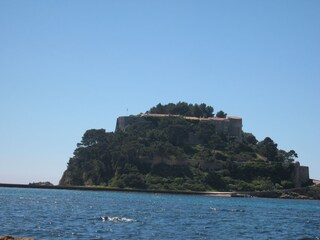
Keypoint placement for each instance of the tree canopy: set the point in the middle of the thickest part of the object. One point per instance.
(221, 114)
(184, 109)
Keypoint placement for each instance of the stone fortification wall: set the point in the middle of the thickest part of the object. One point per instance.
(235, 126)
(125, 121)
(221, 124)
(231, 126)
(300, 175)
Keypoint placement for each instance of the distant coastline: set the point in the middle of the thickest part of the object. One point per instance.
(306, 193)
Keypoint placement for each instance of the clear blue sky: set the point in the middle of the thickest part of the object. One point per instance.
(69, 66)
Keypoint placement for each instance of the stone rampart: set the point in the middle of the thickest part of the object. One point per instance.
(125, 121)
(231, 126)
(300, 175)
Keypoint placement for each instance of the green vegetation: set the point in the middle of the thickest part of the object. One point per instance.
(172, 153)
(183, 109)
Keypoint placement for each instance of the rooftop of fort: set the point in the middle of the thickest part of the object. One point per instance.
(190, 118)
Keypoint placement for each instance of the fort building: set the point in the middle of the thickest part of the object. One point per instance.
(300, 175)
(231, 126)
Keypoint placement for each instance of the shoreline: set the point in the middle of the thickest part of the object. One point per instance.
(295, 193)
(107, 189)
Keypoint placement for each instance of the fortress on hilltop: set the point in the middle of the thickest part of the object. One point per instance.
(231, 126)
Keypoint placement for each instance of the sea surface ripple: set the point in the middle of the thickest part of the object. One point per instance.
(66, 214)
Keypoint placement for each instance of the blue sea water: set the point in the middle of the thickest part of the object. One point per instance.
(65, 214)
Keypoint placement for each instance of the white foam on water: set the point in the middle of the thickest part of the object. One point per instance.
(117, 219)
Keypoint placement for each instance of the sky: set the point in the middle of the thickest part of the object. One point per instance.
(69, 66)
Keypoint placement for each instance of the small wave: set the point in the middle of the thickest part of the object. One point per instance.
(227, 210)
(116, 219)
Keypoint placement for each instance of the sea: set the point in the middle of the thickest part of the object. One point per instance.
(69, 214)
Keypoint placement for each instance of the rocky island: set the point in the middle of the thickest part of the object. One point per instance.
(182, 147)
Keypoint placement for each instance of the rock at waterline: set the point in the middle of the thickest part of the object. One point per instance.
(13, 238)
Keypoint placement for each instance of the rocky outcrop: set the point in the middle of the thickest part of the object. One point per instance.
(13, 238)
(48, 184)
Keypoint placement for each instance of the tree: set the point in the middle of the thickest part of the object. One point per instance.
(291, 156)
(209, 111)
(196, 111)
(268, 148)
(159, 109)
(250, 138)
(221, 114)
(92, 137)
(202, 107)
(183, 109)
